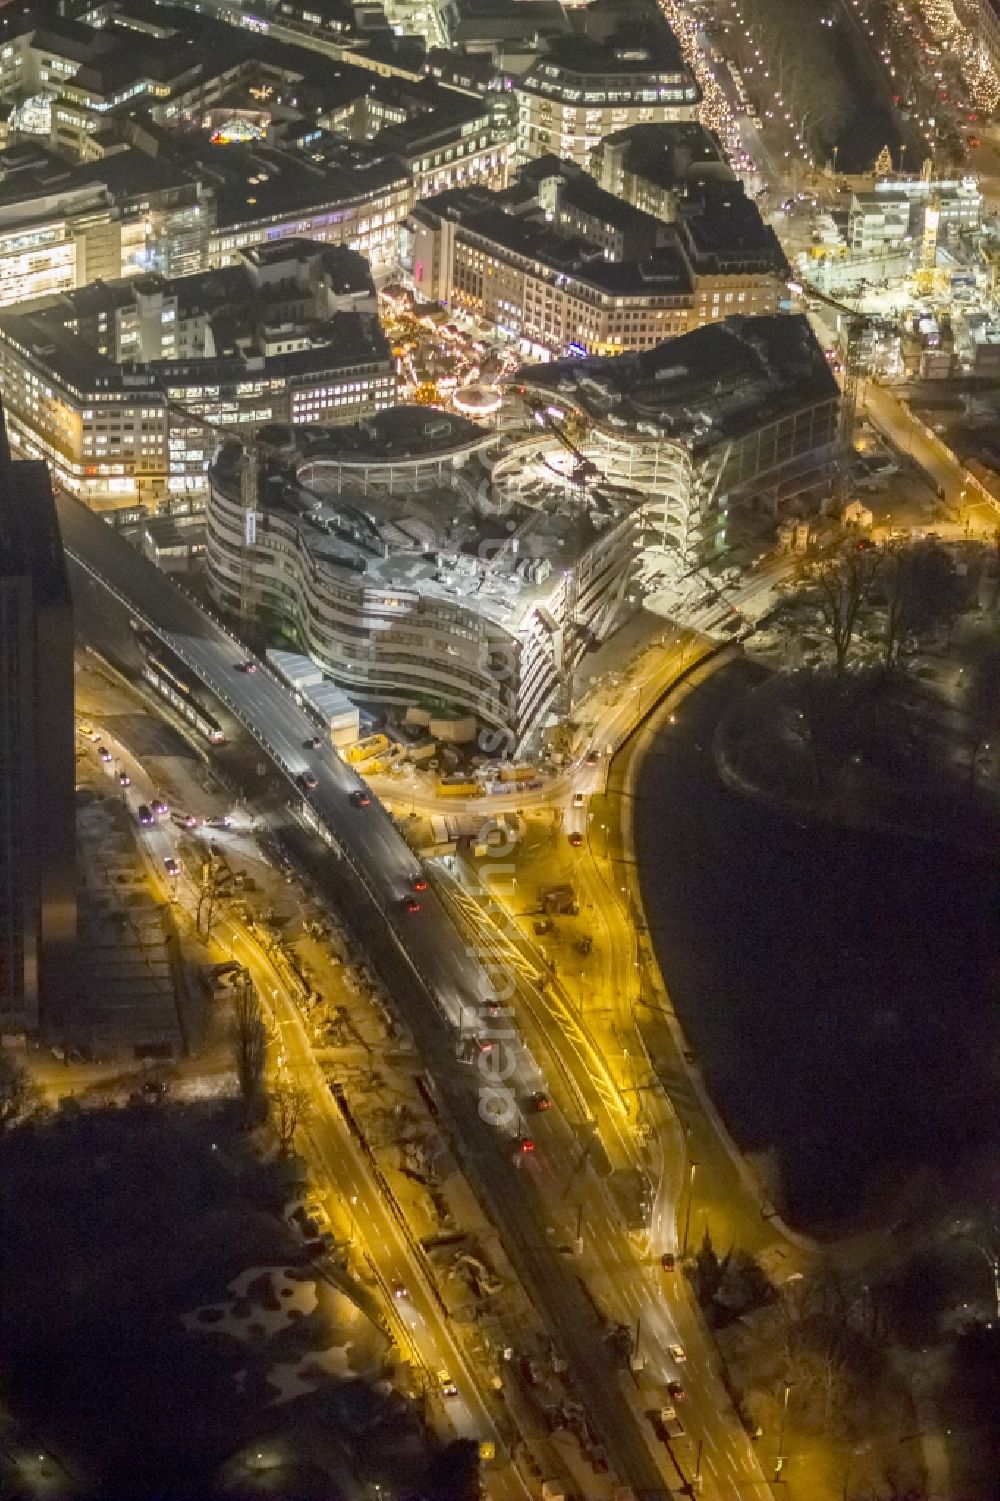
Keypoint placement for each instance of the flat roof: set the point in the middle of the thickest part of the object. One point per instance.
(714, 383)
(479, 212)
(428, 544)
(31, 172)
(236, 309)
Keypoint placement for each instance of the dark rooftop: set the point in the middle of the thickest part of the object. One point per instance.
(723, 226)
(481, 212)
(30, 543)
(237, 311)
(670, 153)
(714, 383)
(31, 171)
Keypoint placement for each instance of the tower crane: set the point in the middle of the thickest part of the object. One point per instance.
(585, 468)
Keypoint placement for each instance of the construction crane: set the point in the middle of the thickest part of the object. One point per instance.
(585, 468)
(510, 544)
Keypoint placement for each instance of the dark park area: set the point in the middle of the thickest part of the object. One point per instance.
(836, 985)
(163, 1332)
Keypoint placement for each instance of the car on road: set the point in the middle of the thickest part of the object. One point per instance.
(185, 820)
(170, 866)
(446, 1385)
(313, 743)
(124, 780)
(539, 1101)
(523, 1146)
(248, 666)
(409, 904)
(576, 839)
(144, 813)
(578, 799)
(399, 1290)
(360, 798)
(666, 1424)
(668, 1261)
(419, 883)
(307, 781)
(592, 758)
(159, 807)
(104, 753)
(677, 1351)
(218, 821)
(87, 731)
(154, 1089)
(676, 1391)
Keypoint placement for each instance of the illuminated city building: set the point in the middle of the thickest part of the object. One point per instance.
(583, 88)
(700, 426)
(121, 386)
(565, 267)
(389, 555)
(653, 166)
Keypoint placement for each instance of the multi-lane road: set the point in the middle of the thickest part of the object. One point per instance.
(412, 1310)
(446, 980)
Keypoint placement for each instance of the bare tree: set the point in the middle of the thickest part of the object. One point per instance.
(289, 1105)
(249, 1044)
(17, 1092)
(841, 585)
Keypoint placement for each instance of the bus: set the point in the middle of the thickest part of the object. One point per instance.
(164, 671)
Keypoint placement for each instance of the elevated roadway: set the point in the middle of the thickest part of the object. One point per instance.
(447, 976)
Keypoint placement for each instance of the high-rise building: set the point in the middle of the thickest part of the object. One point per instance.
(627, 71)
(37, 808)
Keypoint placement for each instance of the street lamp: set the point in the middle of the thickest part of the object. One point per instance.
(692, 1168)
(780, 1462)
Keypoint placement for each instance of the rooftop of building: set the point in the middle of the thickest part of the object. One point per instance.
(920, 190)
(627, 42)
(578, 190)
(497, 20)
(721, 224)
(430, 544)
(30, 544)
(31, 172)
(451, 65)
(259, 181)
(672, 153)
(479, 211)
(636, 47)
(239, 312)
(703, 388)
(398, 433)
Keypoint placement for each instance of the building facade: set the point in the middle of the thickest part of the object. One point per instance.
(381, 560)
(894, 215)
(124, 387)
(701, 426)
(62, 226)
(583, 88)
(546, 262)
(37, 806)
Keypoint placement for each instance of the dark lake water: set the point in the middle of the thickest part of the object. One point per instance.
(838, 988)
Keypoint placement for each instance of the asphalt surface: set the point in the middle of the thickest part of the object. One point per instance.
(445, 978)
(411, 1309)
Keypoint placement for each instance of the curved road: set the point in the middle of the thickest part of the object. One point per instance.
(447, 973)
